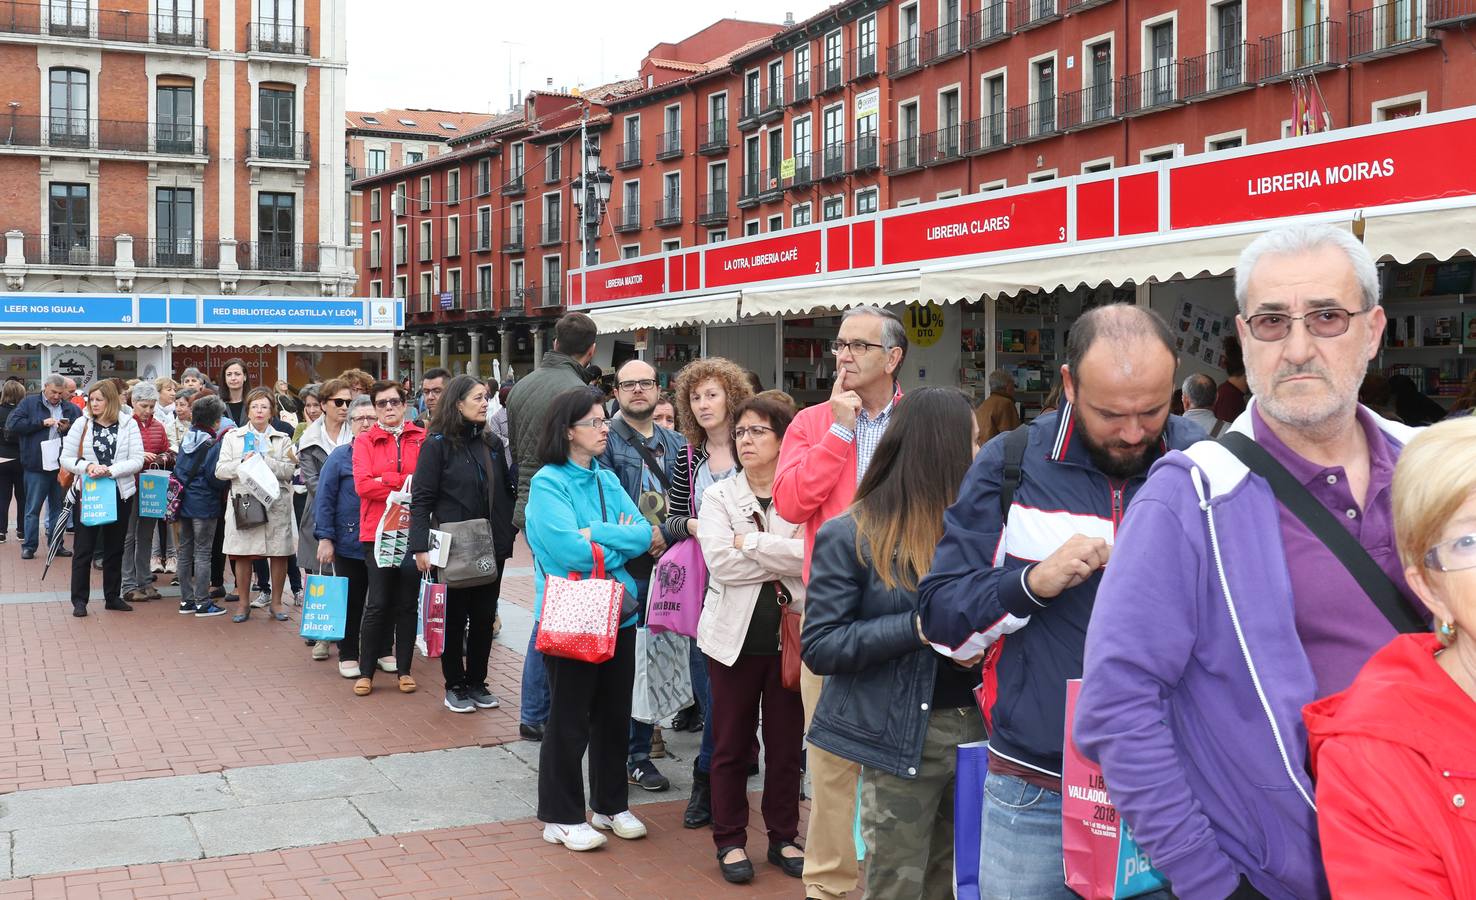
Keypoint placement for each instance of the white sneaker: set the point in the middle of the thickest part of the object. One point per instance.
(387, 664)
(320, 650)
(348, 669)
(262, 601)
(576, 837)
(624, 824)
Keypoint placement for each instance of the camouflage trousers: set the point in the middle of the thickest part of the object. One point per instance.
(908, 822)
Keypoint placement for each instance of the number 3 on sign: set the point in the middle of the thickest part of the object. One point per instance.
(1061, 233)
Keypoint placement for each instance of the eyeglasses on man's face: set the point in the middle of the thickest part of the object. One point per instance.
(857, 348)
(596, 424)
(643, 384)
(1330, 322)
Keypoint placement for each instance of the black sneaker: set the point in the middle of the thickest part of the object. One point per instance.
(645, 775)
(483, 698)
(208, 610)
(458, 702)
(187, 608)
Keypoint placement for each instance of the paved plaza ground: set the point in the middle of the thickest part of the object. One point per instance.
(150, 754)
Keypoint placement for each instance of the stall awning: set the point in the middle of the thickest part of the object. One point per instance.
(372, 340)
(709, 310)
(1439, 233)
(122, 338)
(1157, 261)
(880, 290)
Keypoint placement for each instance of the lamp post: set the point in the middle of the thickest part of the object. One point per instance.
(590, 193)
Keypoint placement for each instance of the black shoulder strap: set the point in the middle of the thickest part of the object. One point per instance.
(623, 429)
(1219, 426)
(1300, 502)
(1014, 468)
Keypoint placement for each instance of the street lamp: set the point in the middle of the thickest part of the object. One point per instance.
(590, 192)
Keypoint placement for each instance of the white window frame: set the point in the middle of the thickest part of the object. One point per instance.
(376, 205)
(1110, 39)
(453, 198)
(1100, 164)
(915, 102)
(1376, 108)
(910, 201)
(426, 237)
(402, 241)
(1212, 139)
(455, 290)
(402, 286)
(1171, 149)
(376, 249)
(1212, 26)
(487, 244)
(949, 195)
(717, 235)
(808, 120)
(997, 184)
(491, 281)
(1032, 89)
(752, 227)
(809, 211)
(453, 227)
(630, 251)
(957, 88)
(824, 201)
(670, 244)
(856, 199)
(1041, 176)
(772, 221)
(376, 288)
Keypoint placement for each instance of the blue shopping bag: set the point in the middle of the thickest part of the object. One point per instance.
(99, 504)
(968, 818)
(153, 493)
(324, 608)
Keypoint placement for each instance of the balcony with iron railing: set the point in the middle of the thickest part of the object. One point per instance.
(772, 105)
(85, 136)
(70, 20)
(542, 297)
(1095, 104)
(863, 62)
(482, 240)
(772, 184)
(625, 219)
(551, 233)
(277, 256)
(669, 144)
(748, 111)
(986, 24)
(629, 155)
(749, 184)
(804, 171)
(987, 133)
(830, 76)
(712, 208)
(945, 145)
(427, 248)
(402, 254)
(713, 137)
(451, 246)
(512, 239)
(278, 38)
(797, 88)
(833, 161)
(903, 156)
(903, 58)
(478, 301)
(942, 42)
(1222, 71)
(1450, 13)
(1035, 13)
(1387, 29)
(1076, 6)
(1033, 121)
(667, 211)
(1149, 91)
(174, 253)
(865, 153)
(69, 250)
(272, 145)
(514, 185)
(1301, 51)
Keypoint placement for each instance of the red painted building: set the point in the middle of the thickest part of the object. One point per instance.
(877, 104)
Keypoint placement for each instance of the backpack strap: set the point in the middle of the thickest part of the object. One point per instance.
(1014, 468)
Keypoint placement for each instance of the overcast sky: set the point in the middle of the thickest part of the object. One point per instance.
(456, 54)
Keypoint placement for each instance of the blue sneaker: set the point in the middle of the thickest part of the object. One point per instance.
(208, 610)
(188, 608)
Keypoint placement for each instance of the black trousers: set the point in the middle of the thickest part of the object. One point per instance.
(12, 483)
(589, 706)
(390, 608)
(469, 612)
(357, 573)
(104, 539)
(218, 560)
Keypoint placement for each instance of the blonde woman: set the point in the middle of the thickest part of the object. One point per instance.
(276, 539)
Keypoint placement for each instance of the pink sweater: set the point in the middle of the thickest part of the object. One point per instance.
(816, 480)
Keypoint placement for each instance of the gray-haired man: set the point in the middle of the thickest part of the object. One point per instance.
(40, 418)
(1199, 401)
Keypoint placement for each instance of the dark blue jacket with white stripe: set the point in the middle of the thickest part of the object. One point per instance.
(975, 593)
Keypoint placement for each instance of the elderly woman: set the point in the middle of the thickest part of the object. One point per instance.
(575, 505)
(1393, 754)
(329, 432)
(312, 408)
(168, 389)
(275, 539)
(707, 392)
(336, 527)
(754, 563)
(201, 504)
(106, 445)
(142, 529)
(192, 378)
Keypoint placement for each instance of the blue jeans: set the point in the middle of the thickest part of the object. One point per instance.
(41, 487)
(535, 702)
(1022, 840)
(703, 692)
(641, 733)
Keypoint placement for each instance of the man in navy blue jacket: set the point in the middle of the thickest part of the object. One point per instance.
(1037, 580)
(38, 418)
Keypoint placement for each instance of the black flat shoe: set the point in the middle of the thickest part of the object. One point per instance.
(793, 866)
(530, 732)
(740, 872)
(79, 611)
(119, 605)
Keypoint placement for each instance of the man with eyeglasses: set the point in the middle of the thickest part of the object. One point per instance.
(826, 451)
(1222, 615)
(641, 453)
(432, 386)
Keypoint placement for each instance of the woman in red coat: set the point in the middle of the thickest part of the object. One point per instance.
(1395, 754)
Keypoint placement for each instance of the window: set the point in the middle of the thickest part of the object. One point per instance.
(801, 70)
(279, 13)
(752, 166)
(69, 17)
(751, 91)
(69, 107)
(1160, 53)
(552, 226)
(948, 110)
(1037, 177)
(1157, 154)
(633, 134)
(1096, 165)
(484, 177)
(376, 162)
(174, 227)
(375, 244)
(401, 205)
(414, 156)
(671, 195)
(175, 115)
(453, 236)
(803, 143)
(484, 228)
(717, 118)
(515, 223)
(453, 186)
(1098, 100)
(833, 134)
(427, 287)
(551, 280)
(453, 286)
(553, 164)
(907, 129)
(751, 228)
(1224, 141)
(866, 156)
(776, 82)
(402, 285)
(630, 208)
(866, 38)
(717, 235)
(376, 289)
(515, 162)
(425, 242)
(484, 287)
(370, 120)
(515, 280)
(1044, 87)
(993, 132)
(999, 185)
(866, 201)
(374, 205)
(448, 126)
(276, 230)
(276, 117)
(776, 223)
(717, 181)
(833, 208)
(832, 59)
(671, 138)
(776, 155)
(425, 193)
(402, 244)
(671, 244)
(1226, 69)
(1398, 107)
(70, 222)
(801, 215)
(630, 251)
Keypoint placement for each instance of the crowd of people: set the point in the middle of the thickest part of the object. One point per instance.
(1278, 667)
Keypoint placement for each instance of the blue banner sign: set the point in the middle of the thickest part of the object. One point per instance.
(65, 309)
(271, 311)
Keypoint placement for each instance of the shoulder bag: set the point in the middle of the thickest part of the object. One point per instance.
(789, 629)
(64, 476)
(471, 560)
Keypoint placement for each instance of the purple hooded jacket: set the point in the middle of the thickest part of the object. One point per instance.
(1195, 679)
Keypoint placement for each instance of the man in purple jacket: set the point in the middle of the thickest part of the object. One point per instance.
(1221, 615)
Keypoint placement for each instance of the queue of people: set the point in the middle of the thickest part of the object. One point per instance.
(1278, 667)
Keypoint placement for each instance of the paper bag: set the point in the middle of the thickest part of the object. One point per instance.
(257, 478)
(433, 617)
(324, 608)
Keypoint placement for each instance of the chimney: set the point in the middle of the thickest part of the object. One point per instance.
(788, 19)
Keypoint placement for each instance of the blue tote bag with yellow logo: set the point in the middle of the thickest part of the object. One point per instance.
(324, 608)
(99, 503)
(153, 493)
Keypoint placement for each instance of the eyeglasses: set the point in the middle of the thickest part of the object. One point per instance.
(857, 348)
(753, 431)
(339, 402)
(644, 384)
(596, 424)
(363, 420)
(1323, 323)
(389, 403)
(1453, 555)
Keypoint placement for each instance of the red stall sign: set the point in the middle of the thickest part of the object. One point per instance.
(1372, 170)
(784, 256)
(1001, 223)
(643, 278)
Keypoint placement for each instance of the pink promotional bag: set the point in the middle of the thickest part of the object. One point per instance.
(679, 582)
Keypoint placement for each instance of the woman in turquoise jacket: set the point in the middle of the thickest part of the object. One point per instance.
(575, 504)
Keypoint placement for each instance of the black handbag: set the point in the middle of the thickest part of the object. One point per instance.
(250, 512)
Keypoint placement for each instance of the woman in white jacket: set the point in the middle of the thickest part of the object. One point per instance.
(276, 539)
(107, 444)
(754, 560)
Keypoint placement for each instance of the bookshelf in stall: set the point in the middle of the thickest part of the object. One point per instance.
(809, 366)
(25, 366)
(674, 348)
(1431, 332)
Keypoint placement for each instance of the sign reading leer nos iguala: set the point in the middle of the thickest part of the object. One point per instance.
(65, 309)
(1003, 223)
(627, 281)
(787, 256)
(1374, 170)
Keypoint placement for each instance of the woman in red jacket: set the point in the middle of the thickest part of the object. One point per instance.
(384, 459)
(1395, 754)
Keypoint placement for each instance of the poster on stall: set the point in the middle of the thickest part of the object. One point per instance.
(1199, 333)
(77, 363)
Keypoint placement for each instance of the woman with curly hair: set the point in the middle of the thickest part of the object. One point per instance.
(707, 392)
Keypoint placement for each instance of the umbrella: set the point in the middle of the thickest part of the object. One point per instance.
(59, 534)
